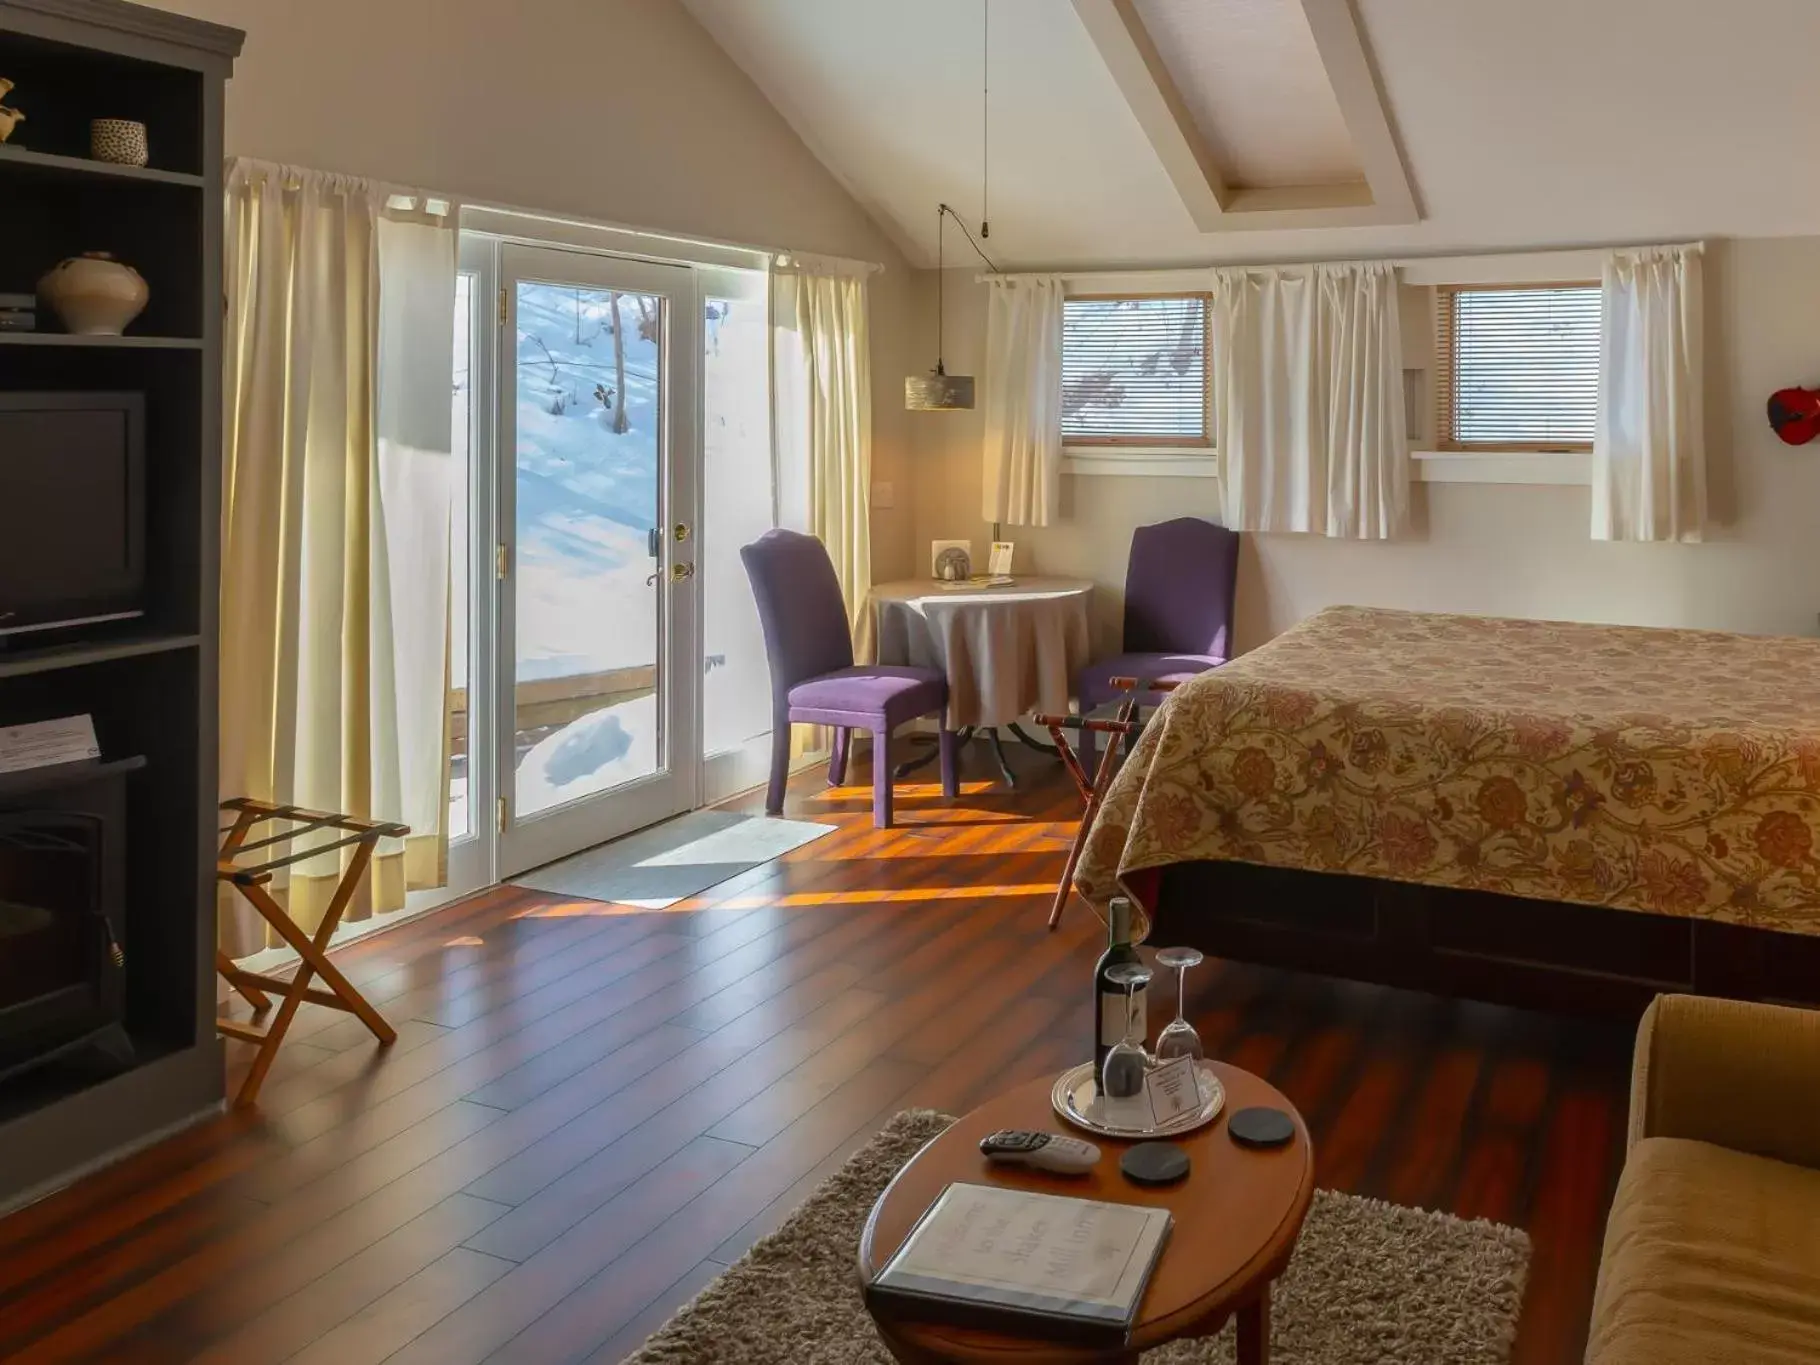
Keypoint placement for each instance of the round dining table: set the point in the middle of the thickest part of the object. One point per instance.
(1006, 649)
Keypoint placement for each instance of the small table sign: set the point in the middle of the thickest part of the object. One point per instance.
(46, 743)
(1173, 1089)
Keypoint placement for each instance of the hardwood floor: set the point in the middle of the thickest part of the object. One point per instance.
(592, 1110)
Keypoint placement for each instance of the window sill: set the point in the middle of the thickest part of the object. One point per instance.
(1140, 462)
(1566, 469)
(1572, 469)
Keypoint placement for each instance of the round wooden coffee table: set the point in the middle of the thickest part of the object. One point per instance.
(1237, 1216)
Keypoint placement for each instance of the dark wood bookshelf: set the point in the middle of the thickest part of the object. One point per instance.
(149, 685)
(24, 159)
(102, 343)
(22, 660)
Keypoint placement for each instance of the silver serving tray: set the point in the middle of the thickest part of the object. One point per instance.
(1076, 1098)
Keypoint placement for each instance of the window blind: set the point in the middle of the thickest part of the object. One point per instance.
(1516, 367)
(1134, 370)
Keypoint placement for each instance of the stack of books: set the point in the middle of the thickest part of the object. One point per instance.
(18, 313)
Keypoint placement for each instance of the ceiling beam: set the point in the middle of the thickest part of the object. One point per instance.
(1130, 53)
(1137, 67)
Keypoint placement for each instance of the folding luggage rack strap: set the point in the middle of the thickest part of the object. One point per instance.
(1126, 725)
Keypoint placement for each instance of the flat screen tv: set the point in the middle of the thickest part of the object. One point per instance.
(72, 509)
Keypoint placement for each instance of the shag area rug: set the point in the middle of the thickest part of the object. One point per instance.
(1371, 1284)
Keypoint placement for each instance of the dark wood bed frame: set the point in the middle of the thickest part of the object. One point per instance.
(1480, 945)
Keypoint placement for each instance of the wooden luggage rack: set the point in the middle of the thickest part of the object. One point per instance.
(249, 877)
(1124, 728)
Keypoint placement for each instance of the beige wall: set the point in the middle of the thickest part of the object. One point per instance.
(619, 111)
(1506, 550)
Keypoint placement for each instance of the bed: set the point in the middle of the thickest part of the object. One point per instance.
(1541, 812)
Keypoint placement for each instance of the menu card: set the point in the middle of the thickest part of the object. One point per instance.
(985, 1256)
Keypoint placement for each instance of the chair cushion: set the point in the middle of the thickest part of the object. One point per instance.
(1710, 1255)
(892, 693)
(1094, 682)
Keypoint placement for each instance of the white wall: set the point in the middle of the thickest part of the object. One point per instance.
(621, 111)
(1503, 550)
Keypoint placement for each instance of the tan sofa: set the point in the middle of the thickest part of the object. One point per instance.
(1712, 1250)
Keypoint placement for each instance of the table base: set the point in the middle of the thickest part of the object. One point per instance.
(990, 733)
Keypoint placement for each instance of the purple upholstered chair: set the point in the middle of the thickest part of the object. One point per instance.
(1178, 612)
(813, 677)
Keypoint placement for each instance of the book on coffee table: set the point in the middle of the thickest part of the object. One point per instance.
(1017, 1262)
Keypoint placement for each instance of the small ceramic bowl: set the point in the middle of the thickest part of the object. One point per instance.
(118, 140)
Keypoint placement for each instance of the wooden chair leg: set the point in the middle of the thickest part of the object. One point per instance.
(837, 760)
(780, 766)
(881, 779)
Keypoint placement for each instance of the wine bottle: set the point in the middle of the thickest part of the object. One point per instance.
(1109, 997)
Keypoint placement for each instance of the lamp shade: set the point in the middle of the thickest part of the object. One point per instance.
(938, 392)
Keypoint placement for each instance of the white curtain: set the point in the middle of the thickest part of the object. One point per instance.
(822, 416)
(335, 521)
(1308, 400)
(1023, 409)
(1649, 448)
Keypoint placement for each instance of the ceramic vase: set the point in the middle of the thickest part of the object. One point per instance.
(93, 294)
(118, 140)
(9, 118)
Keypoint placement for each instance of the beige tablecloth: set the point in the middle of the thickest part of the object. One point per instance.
(1006, 650)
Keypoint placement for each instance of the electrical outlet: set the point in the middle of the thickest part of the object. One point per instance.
(884, 495)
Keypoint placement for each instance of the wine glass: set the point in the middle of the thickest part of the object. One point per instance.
(1122, 1075)
(1179, 1039)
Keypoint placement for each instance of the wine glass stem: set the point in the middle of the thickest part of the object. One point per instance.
(1181, 994)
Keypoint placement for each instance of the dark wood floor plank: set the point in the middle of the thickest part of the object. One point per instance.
(239, 1332)
(398, 1317)
(1429, 1139)
(517, 1299)
(983, 1065)
(559, 1181)
(655, 1314)
(601, 1306)
(612, 1102)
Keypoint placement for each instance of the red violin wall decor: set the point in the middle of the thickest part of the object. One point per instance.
(1795, 414)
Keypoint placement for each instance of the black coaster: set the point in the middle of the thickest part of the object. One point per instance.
(1261, 1128)
(1154, 1163)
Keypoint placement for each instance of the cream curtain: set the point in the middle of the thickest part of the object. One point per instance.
(1649, 447)
(1023, 408)
(335, 520)
(822, 417)
(1308, 400)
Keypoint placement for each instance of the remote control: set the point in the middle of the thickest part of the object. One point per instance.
(1041, 1151)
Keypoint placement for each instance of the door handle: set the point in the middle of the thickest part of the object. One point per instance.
(678, 572)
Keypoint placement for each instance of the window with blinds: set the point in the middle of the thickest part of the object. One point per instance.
(1516, 367)
(1134, 370)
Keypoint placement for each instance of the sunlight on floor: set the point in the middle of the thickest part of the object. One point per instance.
(884, 897)
(854, 791)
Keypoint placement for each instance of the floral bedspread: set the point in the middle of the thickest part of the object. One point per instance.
(1670, 771)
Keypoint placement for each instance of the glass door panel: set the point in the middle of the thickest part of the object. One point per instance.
(599, 388)
(737, 508)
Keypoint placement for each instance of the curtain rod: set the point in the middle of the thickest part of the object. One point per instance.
(655, 235)
(293, 176)
(1400, 262)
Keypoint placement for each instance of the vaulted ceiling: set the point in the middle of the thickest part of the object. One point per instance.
(1544, 122)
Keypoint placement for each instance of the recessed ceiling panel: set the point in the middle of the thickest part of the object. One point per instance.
(1252, 80)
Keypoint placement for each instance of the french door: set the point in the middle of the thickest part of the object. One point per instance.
(607, 669)
(597, 646)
